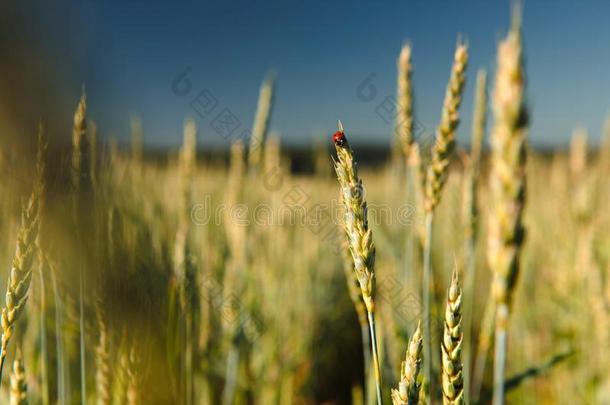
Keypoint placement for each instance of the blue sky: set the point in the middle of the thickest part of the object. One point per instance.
(321, 51)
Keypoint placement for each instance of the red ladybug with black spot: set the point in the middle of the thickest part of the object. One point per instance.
(339, 138)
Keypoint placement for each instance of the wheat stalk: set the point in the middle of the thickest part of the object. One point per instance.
(40, 190)
(451, 346)
(80, 184)
(471, 211)
(59, 326)
(182, 256)
(186, 166)
(408, 386)
(486, 331)
(435, 179)
(233, 283)
(19, 386)
(359, 236)
(418, 177)
(93, 152)
(507, 185)
(261, 123)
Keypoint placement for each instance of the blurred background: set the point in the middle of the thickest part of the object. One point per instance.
(128, 53)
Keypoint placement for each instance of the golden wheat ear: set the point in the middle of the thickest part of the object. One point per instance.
(19, 386)
(507, 187)
(359, 236)
(404, 117)
(261, 123)
(409, 386)
(451, 346)
(436, 175)
(21, 273)
(445, 136)
(103, 375)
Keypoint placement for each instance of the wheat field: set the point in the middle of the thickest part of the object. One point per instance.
(450, 273)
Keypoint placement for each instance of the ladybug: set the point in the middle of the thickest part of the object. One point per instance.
(339, 138)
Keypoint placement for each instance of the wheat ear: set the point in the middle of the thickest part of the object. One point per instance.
(404, 117)
(435, 179)
(19, 386)
(353, 286)
(20, 274)
(359, 236)
(103, 377)
(479, 118)
(261, 123)
(507, 185)
(445, 134)
(133, 377)
(404, 137)
(80, 148)
(120, 374)
(235, 232)
(408, 386)
(451, 346)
